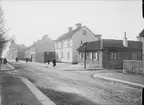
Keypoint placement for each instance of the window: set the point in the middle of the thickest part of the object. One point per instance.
(61, 54)
(87, 55)
(134, 56)
(95, 56)
(68, 43)
(84, 32)
(68, 55)
(90, 55)
(61, 44)
(112, 55)
(81, 55)
(57, 57)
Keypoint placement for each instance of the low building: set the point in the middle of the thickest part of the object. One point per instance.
(42, 50)
(66, 45)
(109, 53)
(30, 53)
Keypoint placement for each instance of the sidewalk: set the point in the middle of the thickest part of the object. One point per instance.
(6, 67)
(18, 90)
(63, 66)
(131, 79)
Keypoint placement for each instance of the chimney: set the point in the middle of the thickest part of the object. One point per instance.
(78, 25)
(125, 41)
(98, 36)
(69, 29)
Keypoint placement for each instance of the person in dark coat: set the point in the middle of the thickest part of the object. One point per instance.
(26, 59)
(5, 61)
(54, 62)
(48, 62)
(1, 60)
(17, 60)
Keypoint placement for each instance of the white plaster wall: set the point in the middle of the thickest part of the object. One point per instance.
(78, 37)
(65, 54)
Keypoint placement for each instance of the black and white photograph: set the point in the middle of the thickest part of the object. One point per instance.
(71, 52)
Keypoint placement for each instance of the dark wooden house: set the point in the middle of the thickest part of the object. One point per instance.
(109, 53)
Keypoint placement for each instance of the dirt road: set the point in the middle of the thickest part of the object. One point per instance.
(77, 88)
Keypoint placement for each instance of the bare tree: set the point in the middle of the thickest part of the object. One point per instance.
(3, 39)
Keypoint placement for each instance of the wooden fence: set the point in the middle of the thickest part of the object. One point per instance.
(133, 66)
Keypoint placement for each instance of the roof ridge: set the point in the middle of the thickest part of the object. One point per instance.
(68, 34)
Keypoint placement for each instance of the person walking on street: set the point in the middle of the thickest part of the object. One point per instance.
(5, 61)
(54, 62)
(17, 60)
(26, 60)
(48, 62)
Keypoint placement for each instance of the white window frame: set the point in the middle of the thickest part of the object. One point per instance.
(68, 43)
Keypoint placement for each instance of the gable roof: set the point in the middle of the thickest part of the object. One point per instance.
(110, 43)
(107, 43)
(68, 34)
(141, 33)
(91, 46)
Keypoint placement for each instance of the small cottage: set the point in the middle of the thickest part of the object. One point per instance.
(109, 53)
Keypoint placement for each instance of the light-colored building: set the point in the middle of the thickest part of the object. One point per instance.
(42, 50)
(66, 45)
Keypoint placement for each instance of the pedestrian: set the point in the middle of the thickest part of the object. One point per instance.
(17, 60)
(54, 62)
(5, 61)
(1, 60)
(48, 62)
(26, 60)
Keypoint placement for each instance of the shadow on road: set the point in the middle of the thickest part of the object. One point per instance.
(62, 98)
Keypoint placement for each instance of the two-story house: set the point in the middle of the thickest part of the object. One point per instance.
(66, 45)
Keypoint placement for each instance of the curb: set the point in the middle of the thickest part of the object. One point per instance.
(12, 68)
(121, 81)
(39, 95)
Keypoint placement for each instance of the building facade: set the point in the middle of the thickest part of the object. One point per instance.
(66, 45)
(21, 51)
(109, 53)
(42, 50)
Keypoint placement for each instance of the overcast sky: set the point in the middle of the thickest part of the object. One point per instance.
(30, 20)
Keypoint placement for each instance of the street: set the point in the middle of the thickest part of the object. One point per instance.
(65, 87)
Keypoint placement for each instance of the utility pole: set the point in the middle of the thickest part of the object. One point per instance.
(84, 55)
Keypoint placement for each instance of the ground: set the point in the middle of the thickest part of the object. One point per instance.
(77, 87)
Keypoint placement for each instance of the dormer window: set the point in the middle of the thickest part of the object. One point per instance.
(84, 32)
